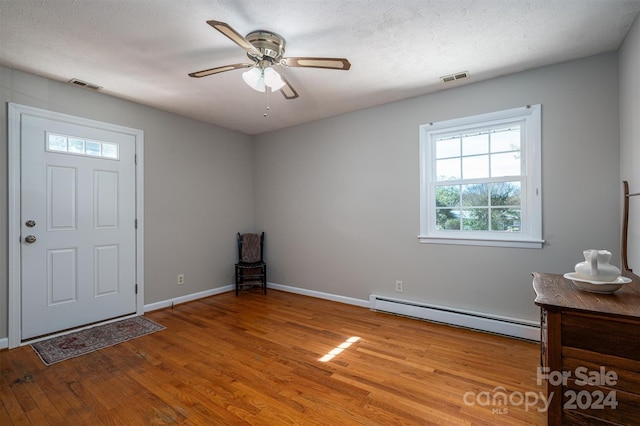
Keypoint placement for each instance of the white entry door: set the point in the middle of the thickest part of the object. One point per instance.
(78, 237)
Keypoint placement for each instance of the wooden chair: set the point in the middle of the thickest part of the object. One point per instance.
(251, 271)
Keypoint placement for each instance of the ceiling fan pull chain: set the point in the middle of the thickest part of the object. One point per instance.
(267, 89)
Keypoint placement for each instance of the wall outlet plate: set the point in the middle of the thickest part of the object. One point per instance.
(399, 286)
(181, 279)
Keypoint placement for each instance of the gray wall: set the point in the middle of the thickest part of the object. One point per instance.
(198, 186)
(339, 198)
(630, 135)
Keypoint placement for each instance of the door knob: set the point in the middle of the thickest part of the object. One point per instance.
(29, 239)
(30, 223)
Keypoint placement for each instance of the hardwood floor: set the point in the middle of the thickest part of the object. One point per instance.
(255, 360)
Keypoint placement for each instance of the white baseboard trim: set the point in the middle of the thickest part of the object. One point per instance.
(187, 298)
(320, 295)
(524, 329)
(513, 327)
(4, 343)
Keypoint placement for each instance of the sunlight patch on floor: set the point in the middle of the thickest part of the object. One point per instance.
(338, 349)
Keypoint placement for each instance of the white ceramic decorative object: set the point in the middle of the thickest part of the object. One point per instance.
(603, 287)
(596, 267)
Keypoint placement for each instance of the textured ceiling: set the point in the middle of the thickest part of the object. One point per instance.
(142, 50)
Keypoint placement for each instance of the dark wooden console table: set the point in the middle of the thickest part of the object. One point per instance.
(592, 338)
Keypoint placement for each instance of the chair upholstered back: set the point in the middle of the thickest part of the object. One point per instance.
(251, 250)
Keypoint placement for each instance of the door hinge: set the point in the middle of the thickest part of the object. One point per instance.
(135, 158)
(136, 288)
(135, 223)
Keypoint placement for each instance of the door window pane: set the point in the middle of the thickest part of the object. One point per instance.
(76, 146)
(92, 148)
(56, 143)
(109, 150)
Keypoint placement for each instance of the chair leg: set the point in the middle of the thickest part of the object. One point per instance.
(264, 277)
(237, 282)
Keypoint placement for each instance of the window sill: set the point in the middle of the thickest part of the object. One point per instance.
(467, 241)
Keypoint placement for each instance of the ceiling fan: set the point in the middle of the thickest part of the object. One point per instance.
(265, 49)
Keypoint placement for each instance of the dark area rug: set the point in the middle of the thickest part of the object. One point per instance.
(83, 342)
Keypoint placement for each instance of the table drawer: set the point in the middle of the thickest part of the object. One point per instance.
(603, 335)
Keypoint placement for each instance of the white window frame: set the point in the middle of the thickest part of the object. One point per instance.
(530, 235)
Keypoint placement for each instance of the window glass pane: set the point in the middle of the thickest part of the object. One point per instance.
(57, 143)
(506, 164)
(93, 148)
(447, 148)
(475, 219)
(447, 219)
(110, 150)
(448, 169)
(505, 219)
(505, 194)
(448, 196)
(475, 167)
(505, 140)
(76, 146)
(475, 195)
(475, 144)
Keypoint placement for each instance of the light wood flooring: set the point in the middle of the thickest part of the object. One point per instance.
(255, 360)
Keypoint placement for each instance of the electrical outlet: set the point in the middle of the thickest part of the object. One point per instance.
(181, 279)
(400, 286)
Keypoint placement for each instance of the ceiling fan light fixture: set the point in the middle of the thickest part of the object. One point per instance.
(273, 79)
(254, 79)
(259, 79)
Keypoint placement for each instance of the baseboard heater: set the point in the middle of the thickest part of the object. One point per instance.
(523, 329)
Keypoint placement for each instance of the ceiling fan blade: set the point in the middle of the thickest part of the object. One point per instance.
(328, 63)
(218, 70)
(235, 37)
(287, 90)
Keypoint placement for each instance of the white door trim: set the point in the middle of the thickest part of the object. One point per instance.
(16, 112)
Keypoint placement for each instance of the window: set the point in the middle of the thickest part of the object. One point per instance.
(76, 146)
(480, 180)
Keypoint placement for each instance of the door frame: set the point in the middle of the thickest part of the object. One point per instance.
(16, 111)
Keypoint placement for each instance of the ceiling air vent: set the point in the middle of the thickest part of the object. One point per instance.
(85, 84)
(453, 77)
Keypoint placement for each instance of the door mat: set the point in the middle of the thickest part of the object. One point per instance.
(82, 342)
